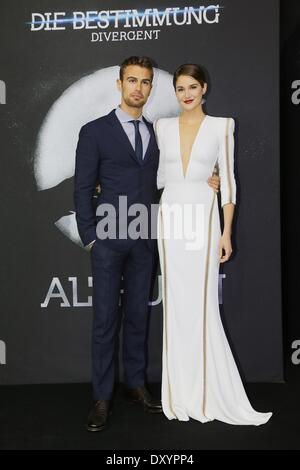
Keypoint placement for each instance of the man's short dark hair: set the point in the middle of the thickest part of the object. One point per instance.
(145, 62)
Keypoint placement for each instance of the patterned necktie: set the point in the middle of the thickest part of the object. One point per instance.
(138, 141)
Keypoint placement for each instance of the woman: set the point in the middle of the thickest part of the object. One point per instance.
(200, 378)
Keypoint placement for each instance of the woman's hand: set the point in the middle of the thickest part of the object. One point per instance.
(225, 246)
(214, 182)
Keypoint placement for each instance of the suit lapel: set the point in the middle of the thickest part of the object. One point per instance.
(120, 135)
(151, 140)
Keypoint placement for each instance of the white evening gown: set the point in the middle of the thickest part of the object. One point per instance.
(200, 378)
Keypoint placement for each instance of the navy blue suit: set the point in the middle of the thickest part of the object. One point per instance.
(104, 155)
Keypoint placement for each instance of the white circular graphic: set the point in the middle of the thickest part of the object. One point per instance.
(89, 98)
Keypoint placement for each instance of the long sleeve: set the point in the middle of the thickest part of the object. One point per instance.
(161, 165)
(86, 176)
(226, 163)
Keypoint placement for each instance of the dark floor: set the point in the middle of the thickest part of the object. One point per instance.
(53, 417)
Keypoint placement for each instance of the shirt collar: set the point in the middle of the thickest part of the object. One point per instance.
(125, 117)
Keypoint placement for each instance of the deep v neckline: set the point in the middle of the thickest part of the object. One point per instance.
(192, 148)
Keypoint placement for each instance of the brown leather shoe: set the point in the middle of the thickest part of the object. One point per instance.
(141, 396)
(97, 419)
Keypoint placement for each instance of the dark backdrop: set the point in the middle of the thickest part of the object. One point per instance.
(290, 170)
(51, 343)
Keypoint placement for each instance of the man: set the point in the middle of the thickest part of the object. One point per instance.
(119, 152)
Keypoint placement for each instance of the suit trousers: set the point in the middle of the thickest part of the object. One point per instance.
(110, 261)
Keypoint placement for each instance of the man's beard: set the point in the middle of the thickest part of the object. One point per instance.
(130, 102)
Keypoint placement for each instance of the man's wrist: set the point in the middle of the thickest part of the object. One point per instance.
(90, 245)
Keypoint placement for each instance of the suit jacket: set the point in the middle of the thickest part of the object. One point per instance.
(104, 155)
